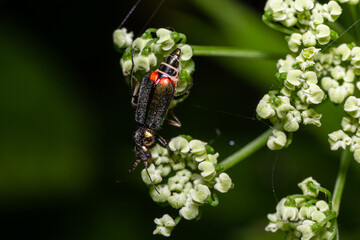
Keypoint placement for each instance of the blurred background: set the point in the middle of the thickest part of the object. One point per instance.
(66, 123)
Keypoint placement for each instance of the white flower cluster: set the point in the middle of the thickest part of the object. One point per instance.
(292, 105)
(185, 178)
(150, 50)
(307, 76)
(304, 216)
(308, 18)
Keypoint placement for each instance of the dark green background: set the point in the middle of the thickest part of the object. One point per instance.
(66, 123)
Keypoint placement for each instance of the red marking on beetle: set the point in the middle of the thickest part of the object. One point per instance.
(154, 76)
(174, 82)
(164, 81)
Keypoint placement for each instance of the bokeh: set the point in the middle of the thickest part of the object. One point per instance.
(67, 125)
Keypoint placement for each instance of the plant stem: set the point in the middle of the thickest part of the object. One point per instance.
(220, 51)
(247, 150)
(340, 180)
(278, 26)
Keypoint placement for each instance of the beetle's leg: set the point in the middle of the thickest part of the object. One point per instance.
(136, 89)
(163, 142)
(181, 95)
(134, 93)
(174, 121)
(146, 167)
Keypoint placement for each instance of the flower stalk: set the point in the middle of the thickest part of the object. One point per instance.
(221, 51)
(340, 180)
(247, 150)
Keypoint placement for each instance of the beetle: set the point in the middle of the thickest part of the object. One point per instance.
(154, 96)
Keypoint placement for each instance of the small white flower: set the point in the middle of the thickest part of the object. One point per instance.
(164, 193)
(122, 38)
(286, 213)
(198, 149)
(177, 200)
(186, 52)
(349, 124)
(310, 116)
(207, 170)
(155, 175)
(344, 51)
(305, 229)
(318, 216)
(277, 141)
(164, 225)
(309, 39)
(294, 42)
(165, 39)
(339, 139)
(323, 34)
(352, 106)
(200, 193)
(338, 94)
(334, 10)
(301, 5)
(306, 211)
(328, 82)
(264, 108)
(190, 210)
(223, 183)
(307, 188)
(338, 72)
(322, 205)
(291, 121)
(179, 144)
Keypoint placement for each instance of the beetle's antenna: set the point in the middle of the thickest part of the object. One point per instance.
(129, 13)
(136, 163)
(145, 163)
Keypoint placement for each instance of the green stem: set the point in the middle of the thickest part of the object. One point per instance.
(340, 180)
(220, 51)
(354, 17)
(246, 151)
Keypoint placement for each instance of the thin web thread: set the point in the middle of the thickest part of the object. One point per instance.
(129, 13)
